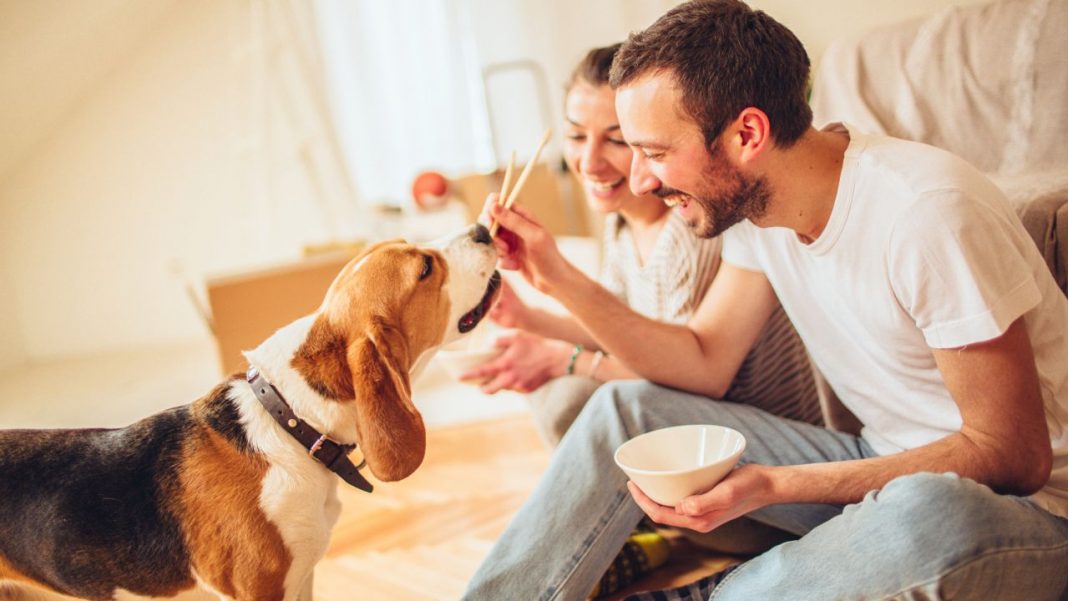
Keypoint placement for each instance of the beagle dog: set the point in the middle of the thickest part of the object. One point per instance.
(237, 492)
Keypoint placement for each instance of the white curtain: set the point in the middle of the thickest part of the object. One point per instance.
(299, 176)
(403, 84)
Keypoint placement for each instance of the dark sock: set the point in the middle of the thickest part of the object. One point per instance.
(698, 590)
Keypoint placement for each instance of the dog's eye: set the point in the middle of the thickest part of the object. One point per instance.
(428, 267)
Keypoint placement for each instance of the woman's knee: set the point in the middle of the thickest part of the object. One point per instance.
(557, 404)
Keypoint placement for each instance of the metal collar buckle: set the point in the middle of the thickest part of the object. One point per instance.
(320, 444)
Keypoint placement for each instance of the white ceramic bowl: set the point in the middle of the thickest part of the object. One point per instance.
(671, 464)
(457, 362)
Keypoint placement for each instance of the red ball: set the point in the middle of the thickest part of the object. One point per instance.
(429, 189)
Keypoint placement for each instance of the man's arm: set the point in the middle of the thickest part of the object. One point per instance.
(560, 327)
(702, 357)
(1003, 443)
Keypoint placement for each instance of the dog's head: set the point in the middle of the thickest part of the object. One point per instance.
(388, 307)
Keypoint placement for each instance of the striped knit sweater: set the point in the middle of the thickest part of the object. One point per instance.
(776, 375)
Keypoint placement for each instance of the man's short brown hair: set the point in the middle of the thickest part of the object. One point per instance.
(724, 57)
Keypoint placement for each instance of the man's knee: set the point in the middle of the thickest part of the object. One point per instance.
(917, 495)
(959, 534)
(643, 406)
(628, 408)
(927, 511)
(615, 413)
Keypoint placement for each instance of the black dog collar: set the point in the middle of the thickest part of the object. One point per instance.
(327, 452)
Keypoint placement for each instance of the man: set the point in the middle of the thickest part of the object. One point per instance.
(918, 293)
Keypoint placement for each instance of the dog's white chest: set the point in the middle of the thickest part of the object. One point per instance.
(304, 507)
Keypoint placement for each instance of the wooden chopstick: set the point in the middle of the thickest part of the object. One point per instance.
(507, 180)
(504, 191)
(514, 192)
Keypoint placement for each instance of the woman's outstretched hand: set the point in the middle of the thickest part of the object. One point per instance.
(526, 362)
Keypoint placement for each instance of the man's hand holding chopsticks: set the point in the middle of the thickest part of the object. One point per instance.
(525, 245)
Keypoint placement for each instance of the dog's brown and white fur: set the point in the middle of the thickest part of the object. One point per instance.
(216, 492)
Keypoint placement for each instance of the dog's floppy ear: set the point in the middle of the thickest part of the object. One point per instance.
(392, 434)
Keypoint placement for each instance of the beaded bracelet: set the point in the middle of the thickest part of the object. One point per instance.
(574, 358)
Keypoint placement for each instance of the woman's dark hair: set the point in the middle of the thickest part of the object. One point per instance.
(594, 67)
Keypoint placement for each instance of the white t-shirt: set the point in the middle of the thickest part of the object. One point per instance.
(921, 251)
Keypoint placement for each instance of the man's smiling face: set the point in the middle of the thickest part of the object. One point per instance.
(672, 161)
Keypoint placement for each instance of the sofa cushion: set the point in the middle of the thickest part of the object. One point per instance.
(986, 82)
(1041, 200)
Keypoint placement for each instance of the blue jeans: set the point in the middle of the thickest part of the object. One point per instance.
(924, 536)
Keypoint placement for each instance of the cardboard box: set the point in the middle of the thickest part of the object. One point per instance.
(543, 194)
(246, 308)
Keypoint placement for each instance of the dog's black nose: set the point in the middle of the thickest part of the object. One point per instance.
(481, 234)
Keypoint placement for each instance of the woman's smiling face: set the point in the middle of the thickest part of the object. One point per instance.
(595, 149)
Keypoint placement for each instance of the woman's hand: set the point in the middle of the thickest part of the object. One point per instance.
(527, 362)
(525, 245)
(745, 489)
(509, 311)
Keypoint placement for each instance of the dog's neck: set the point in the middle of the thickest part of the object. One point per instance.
(273, 358)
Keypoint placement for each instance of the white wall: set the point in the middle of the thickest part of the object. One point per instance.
(557, 34)
(37, 40)
(171, 156)
(12, 347)
(81, 39)
(160, 164)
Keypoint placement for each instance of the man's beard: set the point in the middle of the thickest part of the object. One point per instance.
(736, 197)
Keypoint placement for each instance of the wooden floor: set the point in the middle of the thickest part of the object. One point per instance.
(421, 539)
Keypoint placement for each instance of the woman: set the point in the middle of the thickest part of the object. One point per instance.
(652, 261)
